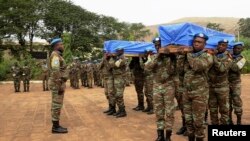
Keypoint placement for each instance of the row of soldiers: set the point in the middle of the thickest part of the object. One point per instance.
(202, 82)
(89, 74)
(21, 73)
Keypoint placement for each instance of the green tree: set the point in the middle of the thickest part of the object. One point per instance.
(244, 27)
(215, 26)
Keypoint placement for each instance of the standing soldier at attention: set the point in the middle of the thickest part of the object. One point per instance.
(57, 83)
(235, 82)
(105, 72)
(26, 75)
(119, 72)
(218, 85)
(196, 91)
(90, 75)
(45, 76)
(16, 74)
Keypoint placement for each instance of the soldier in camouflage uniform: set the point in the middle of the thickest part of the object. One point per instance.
(26, 75)
(138, 81)
(148, 83)
(16, 74)
(90, 75)
(45, 76)
(196, 91)
(57, 83)
(219, 86)
(235, 82)
(164, 90)
(118, 66)
(105, 70)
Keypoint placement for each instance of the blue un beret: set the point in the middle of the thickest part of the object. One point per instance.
(157, 39)
(223, 41)
(238, 44)
(55, 41)
(201, 35)
(119, 48)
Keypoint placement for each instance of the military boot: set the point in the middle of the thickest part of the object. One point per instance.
(168, 135)
(191, 137)
(108, 109)
(238, 119)
(151, 109)
(160, 134)
(183, 128)
(122, 113)
(139, 107)
(112, 111)
(56, 128)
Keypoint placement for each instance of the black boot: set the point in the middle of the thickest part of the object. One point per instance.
(183, 128)
(151, 109)
(238, 119)
(168, 135)
(122, 113)
(108, 109)
(191, 137)
(199, 139)
(140, 107)
(112, 111)
(160, 135)
(56, 128)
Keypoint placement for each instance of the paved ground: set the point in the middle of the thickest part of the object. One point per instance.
(26, 116)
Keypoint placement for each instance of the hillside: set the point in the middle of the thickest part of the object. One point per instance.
(227, 23)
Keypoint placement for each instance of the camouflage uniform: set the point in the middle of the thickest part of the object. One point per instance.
(106, 73)
(16, 74)
(235, 87)
(164, 89)
(138, 81)
(196, 91)
(45, 76)
(118, 69)
(90, 75)
(219, 89)
(57, 83)
(26, 75)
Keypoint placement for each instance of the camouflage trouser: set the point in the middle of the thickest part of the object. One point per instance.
(45, 81)
(110, 86)
(148, 89)
(179, 98)
(139, 82)
(119, 86)
(234, 98)
(106, 88)
(26, 83)
(57, 102)
(16, 84)
(194, 108)
(219, 100)
(90, 81)
(164, 105)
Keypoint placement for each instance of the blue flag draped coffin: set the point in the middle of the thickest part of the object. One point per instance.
(182, 34)
(131, 48)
